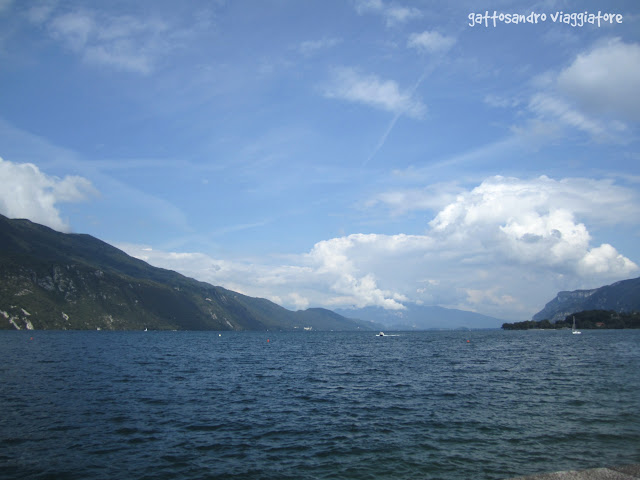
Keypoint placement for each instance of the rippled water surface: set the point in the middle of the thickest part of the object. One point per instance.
(311, 405)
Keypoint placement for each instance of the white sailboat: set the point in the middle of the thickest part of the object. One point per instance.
(573, 329)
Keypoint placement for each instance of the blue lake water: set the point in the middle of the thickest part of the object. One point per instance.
(315, 405)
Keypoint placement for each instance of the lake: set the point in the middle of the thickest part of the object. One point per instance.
(316, 405)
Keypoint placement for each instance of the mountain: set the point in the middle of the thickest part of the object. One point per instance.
(421, 317)
(53, 280)
(623, 296)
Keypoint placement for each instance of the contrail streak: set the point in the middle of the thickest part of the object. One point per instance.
(392, 124)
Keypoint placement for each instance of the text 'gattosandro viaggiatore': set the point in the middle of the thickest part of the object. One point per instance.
(575, 19)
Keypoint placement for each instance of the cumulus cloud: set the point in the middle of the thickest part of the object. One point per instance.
(495, 247)
(351, 85)
(298, 301)
(29, 193)
(599, 201)
(605, 80)
(594, 94)
(533, 223)
(486, 247)
(504, 248)
(354, 265)
(605, 259)
(431, 42)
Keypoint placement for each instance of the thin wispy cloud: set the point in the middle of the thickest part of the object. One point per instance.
(368, 89)
(122, 42)
(431, 42)
(350, 85)
(398, 14)
(310, 47)
(554, 108)
(393, 14)
(393, 122)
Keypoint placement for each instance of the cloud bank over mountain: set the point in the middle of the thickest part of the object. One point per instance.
(480, 252)
(29, 193)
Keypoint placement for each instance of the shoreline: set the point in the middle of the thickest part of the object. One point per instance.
(623, 472)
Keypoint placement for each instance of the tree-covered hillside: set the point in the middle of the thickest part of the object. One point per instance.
(589, 319)
(53, 280)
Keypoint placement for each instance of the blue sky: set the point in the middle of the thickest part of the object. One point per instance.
(332, 153)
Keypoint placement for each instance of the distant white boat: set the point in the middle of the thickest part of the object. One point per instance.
(145, 329)
(381, 334)
(573, 329)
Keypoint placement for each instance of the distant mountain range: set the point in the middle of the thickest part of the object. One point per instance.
(623, 296)
(53, 280)
(421, 317)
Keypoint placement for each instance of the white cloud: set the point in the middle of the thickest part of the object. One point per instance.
(605, 80)
(503, 248)
(399, 14)
(324, 276)
(348, 84)
(605, 259)
(489, 296)
(298, 301)
(73, 29)
(365, 6)
(400, 202)
(270, 280)
(599, 201)
(393, 14)
(500, 101)
(595, 94)
(28, 193)
(552, 108)
(353, 264)
(431, 42)
(533, 223)
(310, 47)
(119, 41)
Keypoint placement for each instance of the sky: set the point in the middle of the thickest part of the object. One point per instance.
(336, 154)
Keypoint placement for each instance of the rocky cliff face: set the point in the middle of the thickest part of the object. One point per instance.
(564, 304)
(623, 296)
